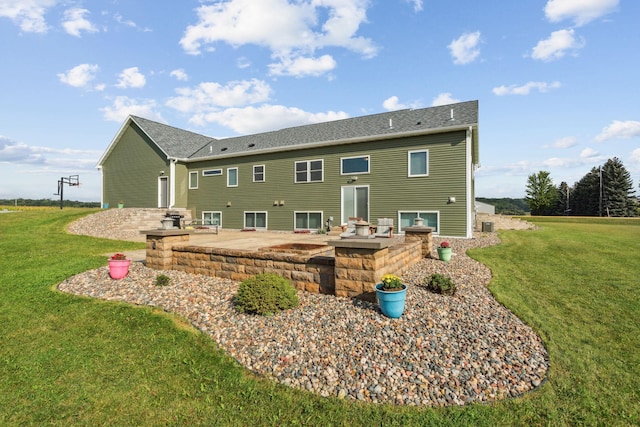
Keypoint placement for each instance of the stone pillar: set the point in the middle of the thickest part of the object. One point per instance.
(160, 247)
(358, 266)
(424, 234)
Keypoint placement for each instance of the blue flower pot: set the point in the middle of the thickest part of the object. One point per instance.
(391, 303)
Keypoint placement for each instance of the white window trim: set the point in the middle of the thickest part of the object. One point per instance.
(308, 162)
(307, 212)
(435, 232)
(264, 173)
(237, 177)
(409, 174)
(368, 158)
(266, 219)
(212, 172)
(212, 212)
(193, 173)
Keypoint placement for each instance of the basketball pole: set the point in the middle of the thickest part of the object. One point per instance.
(71, 181)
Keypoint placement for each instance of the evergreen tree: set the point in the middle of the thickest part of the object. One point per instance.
(542, 196)
(564, 196)
(617, 190)
(586, 195)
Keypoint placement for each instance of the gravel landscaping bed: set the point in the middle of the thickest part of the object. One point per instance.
(442, 351)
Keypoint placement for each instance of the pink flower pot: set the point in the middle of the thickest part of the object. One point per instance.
(118, 268)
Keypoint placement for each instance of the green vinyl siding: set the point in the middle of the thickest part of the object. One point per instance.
(390, 188)
(131, 171)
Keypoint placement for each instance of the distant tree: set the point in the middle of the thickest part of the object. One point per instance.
(617, 190)
(586, 195)
(564, 197)
(542, 196)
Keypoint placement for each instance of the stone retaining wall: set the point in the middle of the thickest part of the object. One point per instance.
(351, 269)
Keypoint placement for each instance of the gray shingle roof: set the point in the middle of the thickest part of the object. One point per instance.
(188, 145)
(175, 142)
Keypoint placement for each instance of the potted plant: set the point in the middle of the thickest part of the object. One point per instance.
(391, 293)
(444, 251)
(440, 284)
(118, 266)
(121, 204)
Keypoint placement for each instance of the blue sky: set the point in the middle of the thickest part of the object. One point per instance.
(557, 80)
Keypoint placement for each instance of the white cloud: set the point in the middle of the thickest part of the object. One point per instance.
(525, 89)
(393, 103)
(620, 129)
(417, 5)
(444, 99)
(464, 49)
(27, 14)
(588, 153)
(81, 76)
(243, 62)
(267, 117)
(635, 156)
(131, 77)
(123, 106)
(210, 96)
(557, 45)
(580, 11)
(21, 153)
(566, 142)
(289, 29)
(75, 22)
(303, 66)
(179, 74)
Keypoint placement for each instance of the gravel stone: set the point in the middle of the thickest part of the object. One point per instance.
(444, 350)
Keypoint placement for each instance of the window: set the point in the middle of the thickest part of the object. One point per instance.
(232, 177)
(255, 220)
(212, 172)
(258, 173)
(309, 171)
(212, 218)
(354, 165)
(419, 163)
(193, 180)
(308, 220)
(431, 219)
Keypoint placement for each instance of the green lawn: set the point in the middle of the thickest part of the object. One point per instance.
(66, 360)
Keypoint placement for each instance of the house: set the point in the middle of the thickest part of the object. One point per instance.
(485, 208)
(397, 165)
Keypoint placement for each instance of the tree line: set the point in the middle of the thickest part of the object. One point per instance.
(48, 202)
(606, 190)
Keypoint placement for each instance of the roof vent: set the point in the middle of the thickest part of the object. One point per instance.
(211, 149)
(223, 149)
(418, 124)
(451, 118)
(390, 123)
(252, 145)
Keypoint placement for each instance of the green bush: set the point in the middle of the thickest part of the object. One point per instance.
(265, 294)
(162, 280)
(440, 284)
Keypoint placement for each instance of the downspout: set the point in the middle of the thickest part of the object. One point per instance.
(470, 200)
(172, 183)
(101, 186)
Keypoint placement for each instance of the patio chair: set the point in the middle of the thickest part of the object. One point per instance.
(384, 228)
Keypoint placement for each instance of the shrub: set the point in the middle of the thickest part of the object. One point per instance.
(162, 280)
(440, 284)
(265, 294)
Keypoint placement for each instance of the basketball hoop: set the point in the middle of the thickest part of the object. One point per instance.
(71, 181)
